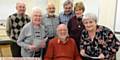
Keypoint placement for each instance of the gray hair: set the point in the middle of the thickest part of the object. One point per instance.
(61, 25)
(90, 16)
(36, 9)
(67, 3)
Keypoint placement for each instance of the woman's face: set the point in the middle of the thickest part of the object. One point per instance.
(36, 18)
(78, 12)
(89, 24)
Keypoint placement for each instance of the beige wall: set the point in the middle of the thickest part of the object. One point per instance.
(107, 13)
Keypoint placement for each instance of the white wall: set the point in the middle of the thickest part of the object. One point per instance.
(117, 22)
(8, 7)
(107, 13)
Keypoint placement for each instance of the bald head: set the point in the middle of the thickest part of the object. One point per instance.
(51, 8)
(62, 31)
(51, 4)
(20, 7)
(61, 26)
(20, 2)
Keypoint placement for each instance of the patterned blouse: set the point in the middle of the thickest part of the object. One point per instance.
(104, 42)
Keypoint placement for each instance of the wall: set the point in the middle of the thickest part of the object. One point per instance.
(107, 13)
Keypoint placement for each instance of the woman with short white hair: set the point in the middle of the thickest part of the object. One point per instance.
(31, 39)
(97, 42)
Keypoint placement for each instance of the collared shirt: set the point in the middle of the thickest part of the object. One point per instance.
(65, 18)
(103, 42)
(57, 50)
(50, 23)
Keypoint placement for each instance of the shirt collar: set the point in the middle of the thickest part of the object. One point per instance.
(48, 16)
(61, 42)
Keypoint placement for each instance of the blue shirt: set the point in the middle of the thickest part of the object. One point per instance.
(64, 18)
(50, 23)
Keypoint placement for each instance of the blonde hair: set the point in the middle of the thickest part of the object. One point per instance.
(79, 5)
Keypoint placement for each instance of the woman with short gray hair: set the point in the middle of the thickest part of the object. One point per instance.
(32, 37)
(97, 42)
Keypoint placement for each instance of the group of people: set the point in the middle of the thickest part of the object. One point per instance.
(69, 36)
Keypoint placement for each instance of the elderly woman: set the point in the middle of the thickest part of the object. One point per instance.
(97, 42)
(62, 47)
(75, 24)
(31, 38)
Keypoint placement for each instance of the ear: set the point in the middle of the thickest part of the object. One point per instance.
(16, 7)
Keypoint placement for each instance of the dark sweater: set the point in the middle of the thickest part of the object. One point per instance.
(75, 27)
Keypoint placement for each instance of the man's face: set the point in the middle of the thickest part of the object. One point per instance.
(51, 9)
(20, 7)
(36, 17)
(62, 32)
(67, 9)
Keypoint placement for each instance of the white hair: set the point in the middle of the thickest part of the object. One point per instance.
(61, 25)
(36, 9)
(90, 16)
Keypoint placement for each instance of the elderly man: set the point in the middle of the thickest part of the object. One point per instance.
(32, 37)
(65, 16)
(50, 21)
(62, 47)
(15, 23)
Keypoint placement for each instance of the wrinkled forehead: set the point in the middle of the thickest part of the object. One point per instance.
(62, 27)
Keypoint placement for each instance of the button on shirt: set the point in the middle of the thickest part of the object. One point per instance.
(50, 23)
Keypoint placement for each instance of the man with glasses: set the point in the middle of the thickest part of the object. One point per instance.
(65, 16)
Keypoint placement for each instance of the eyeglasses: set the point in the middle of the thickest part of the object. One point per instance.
(67, 7)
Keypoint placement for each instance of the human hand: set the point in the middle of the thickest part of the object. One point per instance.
(42, 44)
(101, 56)
(82, 52)
(32, 47)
